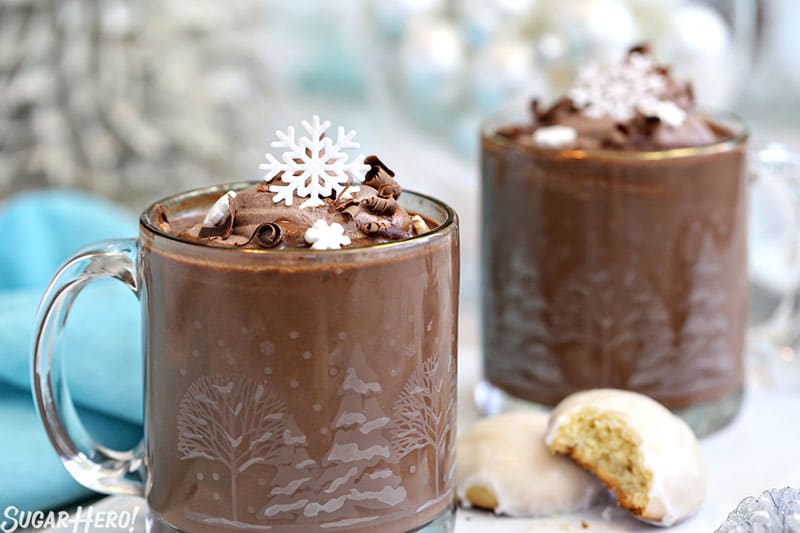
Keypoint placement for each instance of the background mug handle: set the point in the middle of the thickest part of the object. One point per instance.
(774, 257)
(91, 464)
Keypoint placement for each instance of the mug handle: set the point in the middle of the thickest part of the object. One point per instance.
(774, 234)
(91, 464)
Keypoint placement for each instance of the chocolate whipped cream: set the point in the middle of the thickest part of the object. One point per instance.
(631, 105)
(369, 213)
(607, 264)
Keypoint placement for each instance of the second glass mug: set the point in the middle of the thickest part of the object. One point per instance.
(616, 269)
(282, 387)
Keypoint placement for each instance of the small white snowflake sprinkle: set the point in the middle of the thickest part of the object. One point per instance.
(314, 166)
(554, 136)
(618, 89)
(324, 236)
(220, 211)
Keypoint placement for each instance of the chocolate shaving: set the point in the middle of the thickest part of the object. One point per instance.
(641, 48)
(380, 205)
(225, 228)
(563, 106)
(394, 233)
(160, 217)
(376, 165)
(351, 210)
(380, 176)
(263, 187)
(373, 226)
(267, 235)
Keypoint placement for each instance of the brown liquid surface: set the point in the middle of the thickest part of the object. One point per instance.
(288, 396)
(614, 272)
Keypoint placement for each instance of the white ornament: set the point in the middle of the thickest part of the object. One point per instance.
(554, 136)
(667, 112)
(618, 89)
(591, 28)
(502, 72)
(313, 166)
(221, 209)
(324, 236)
(699, 43)
(433, 58)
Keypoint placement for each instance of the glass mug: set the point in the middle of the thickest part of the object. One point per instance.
(616, 269)
(289, 390)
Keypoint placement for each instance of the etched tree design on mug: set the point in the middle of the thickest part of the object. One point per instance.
(232, 420)
(423, 414)
(615, 319)
(356, 470)
(295, 471)
(523, 337)
(705, 334)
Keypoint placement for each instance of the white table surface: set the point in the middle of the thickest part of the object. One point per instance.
(758, 451)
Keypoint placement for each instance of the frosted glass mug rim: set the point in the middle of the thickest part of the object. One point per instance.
(150, 229)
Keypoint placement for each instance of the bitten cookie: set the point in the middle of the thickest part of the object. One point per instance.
(504, 466)
(649, 457)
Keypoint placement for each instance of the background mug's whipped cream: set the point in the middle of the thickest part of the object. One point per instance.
(630, 104)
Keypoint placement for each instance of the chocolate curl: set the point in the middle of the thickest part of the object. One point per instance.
(641, 48)
(266, 235)
(419, 225)
(160, 217)
(380, 205)
(352, 210)
(380, 176)
(548, 116)
(225, 228)
(375, 225)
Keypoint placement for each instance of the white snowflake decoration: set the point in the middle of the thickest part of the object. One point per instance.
(617, 89)
(314, 166)
(324, 236)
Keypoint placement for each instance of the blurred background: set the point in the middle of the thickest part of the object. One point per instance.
(132, 100)
(136, 99)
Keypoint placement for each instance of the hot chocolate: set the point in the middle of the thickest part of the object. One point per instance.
(303, 372)
(299, 347)
(615, 245)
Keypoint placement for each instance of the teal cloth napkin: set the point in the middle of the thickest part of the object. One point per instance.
(102, 342)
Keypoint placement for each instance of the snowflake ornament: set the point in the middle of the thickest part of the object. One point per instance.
(324, 236)
(314, 166)
(618, 89)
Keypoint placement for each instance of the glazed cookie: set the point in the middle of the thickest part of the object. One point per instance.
(645, 454)
(504, 466)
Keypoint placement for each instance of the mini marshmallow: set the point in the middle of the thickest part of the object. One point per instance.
(648, 456)
(554, 136)
(504, 465)
(220, 211)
